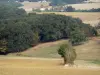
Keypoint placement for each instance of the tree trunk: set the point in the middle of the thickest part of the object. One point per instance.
(65, 60)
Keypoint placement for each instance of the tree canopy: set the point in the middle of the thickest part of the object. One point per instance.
(68, 53)
(20, 31)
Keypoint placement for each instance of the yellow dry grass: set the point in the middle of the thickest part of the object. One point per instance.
(85, 6)
(41, 67)
(90, 50)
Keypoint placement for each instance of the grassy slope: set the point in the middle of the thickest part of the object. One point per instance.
(88, 51)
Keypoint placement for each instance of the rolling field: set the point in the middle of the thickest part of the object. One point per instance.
(85, 6)
(88, 51)
(23, 66)
(43, 59)
(87, 17)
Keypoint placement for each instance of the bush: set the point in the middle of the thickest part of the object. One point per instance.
(98, 26)
(68, 53)
(70, 9)
(3, 46)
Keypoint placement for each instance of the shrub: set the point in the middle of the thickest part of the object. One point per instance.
(68, 53)
(3, 46)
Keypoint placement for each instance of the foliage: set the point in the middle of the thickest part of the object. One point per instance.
(89, 30)
(19, 37)
(68, 53)
(77, 37)
(96, 62)
(11, 3)
(3, 46)
(89, 10)
(22, 31)
(98, 26)
(9, 12)
(70, 9)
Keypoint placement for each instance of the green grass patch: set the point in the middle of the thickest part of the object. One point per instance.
(96, 62)
(45, 51)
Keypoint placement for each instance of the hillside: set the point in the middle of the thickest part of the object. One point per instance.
(88, 51)
(42, 43)
(94, 0)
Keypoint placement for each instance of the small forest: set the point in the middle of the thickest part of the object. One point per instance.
(20, 30)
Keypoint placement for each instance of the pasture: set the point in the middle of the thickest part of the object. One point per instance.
(90, 50)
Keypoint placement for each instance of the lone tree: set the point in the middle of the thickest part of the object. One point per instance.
(68, 53)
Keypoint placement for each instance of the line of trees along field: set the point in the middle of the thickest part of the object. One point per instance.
(71, 9)
(19, 30)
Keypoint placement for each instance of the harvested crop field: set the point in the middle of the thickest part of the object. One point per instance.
(85, 6)
(23, 66)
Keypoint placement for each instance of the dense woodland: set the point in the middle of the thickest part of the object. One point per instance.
(19, 30)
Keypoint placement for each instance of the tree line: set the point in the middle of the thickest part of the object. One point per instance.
(19, 30)
(71, 9)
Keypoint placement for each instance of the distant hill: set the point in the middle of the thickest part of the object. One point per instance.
(52, 1)
(94, 0)
(67, 1)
